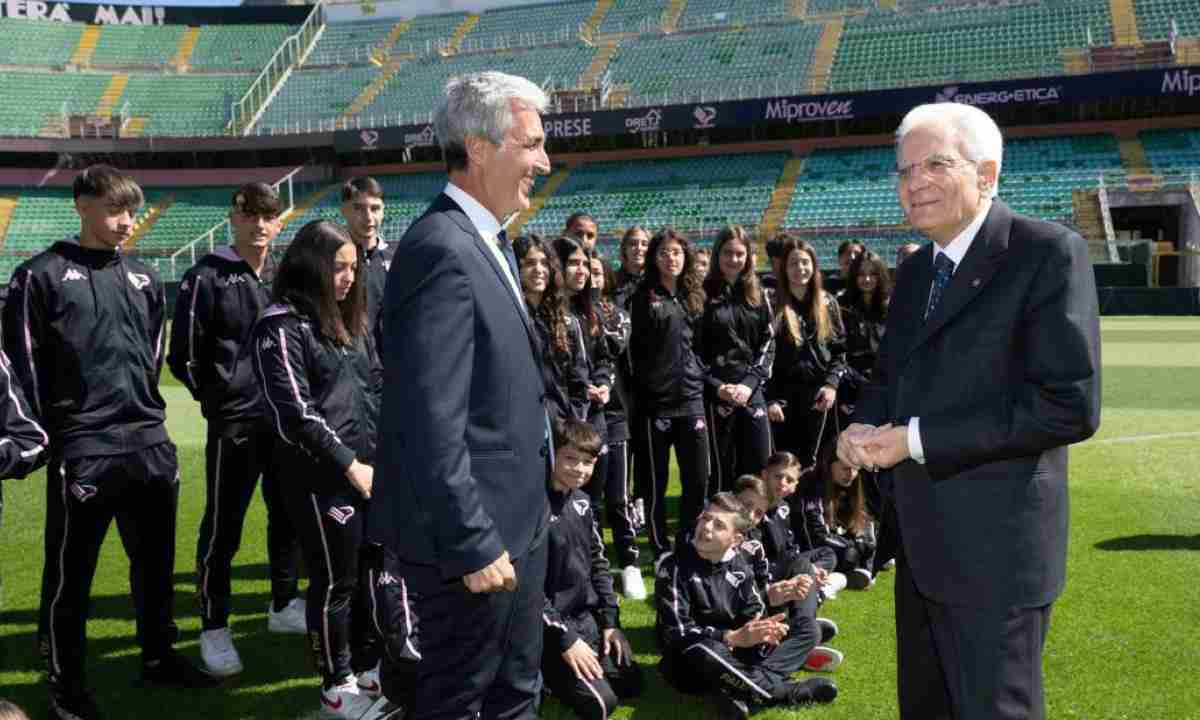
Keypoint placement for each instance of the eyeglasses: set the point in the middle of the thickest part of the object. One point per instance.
(937, 166)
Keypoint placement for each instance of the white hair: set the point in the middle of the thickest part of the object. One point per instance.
(480, 104)
(975, 129)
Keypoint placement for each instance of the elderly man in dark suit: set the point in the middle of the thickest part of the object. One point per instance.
(464, 451)
(989, 369)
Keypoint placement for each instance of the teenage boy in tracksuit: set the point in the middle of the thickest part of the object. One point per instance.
(586, 660)
(83, 327)
(218, 303)
(711, 623)
(362, 209)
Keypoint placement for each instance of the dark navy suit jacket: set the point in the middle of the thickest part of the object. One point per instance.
(1004, 375)
(462, 467)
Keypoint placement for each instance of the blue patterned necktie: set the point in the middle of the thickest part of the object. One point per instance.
(943, 270)
(506, 249)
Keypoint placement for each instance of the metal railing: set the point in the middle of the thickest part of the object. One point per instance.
(244, 112)
(222, 231)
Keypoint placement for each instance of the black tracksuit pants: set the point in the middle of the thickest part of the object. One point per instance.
(688, 434)
(610, 479)
(590, 699)
(741, 443)
(745, 673)
(330, 527)
(233, 466)
(83, 495)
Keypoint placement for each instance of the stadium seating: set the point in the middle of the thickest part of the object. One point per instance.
(184, 105)
(515, 26)
(193, 212)
(633, 15)
(696, 66)
(137, 45)
(1154, 18)
(37, 44)
(420, 83)
(428, 32)
(344, 43)
(1040, 173)
(823, 7)
(310, 97)
(883, 49)
(1172, 151)
(720, 13)
(31, 99)
(237, 47)
(845, 188)
(693, 194)
(42, 217)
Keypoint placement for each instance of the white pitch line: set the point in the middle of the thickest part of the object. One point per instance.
(1142, 438)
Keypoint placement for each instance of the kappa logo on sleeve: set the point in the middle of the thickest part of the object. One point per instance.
(138, 280)
(73, 274)
(341, 515)
(267, 343)
(735, 577)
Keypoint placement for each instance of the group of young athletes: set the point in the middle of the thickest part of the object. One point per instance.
(748, 379)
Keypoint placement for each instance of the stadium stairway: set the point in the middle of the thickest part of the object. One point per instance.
(1137, 166)
(8, 203)
(87, 45)
(371, 91)
(596, 19)
(781, 198)
(538, 200)
(135, 127)
(1124, 22)
(382, 52)
(590, 80)
(305, 205)
(1075, 60)
(460, 32)
(187, 45)
(147, 219)
(1090, 221)
(826, 51)
(112, 95)
(798, 8)
(674, 11)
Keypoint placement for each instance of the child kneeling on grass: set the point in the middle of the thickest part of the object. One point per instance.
(712, 628)
(587, 662)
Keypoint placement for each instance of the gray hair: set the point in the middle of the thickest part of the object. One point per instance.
(480, 104)
(976, 130)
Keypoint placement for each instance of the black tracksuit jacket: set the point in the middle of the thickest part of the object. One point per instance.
(376, 263)
(321, 399)
(698, 599)
(578, 580)
(219, 301)
(23, 442)
(801, 370)
(84, 331)
(736, 343)
(668, 375)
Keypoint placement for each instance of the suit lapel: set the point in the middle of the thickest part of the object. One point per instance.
(971, 277)
(464, 222)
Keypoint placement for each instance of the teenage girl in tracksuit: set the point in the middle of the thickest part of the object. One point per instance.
(737, 345)
(317, 365)
(669, 383)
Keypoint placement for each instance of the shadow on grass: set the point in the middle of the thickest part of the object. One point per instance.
(1151, 542)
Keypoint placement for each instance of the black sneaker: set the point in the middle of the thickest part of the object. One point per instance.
(729, 708)
(811, 691)
(72, 704)
(828, 628)
(174, 670)
(859, 579)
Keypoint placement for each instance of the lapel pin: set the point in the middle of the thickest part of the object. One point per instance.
(975, 283)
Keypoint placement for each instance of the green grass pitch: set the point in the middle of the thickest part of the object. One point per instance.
(1124, 639)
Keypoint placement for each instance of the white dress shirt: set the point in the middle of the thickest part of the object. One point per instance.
(956, 251)
(488, 228)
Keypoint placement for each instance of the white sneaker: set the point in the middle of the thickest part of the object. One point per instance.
(218, 653)
(345, 700)
(368, 682)
(290, 620)
(632, 584)
(835, 582)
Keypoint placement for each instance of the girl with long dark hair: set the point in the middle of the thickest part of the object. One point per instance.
(736, 342)
(318, 368)
(564, 370)
(810, 355)
(669, 381)
(833, 514)
(612, 469)
(864, 306)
